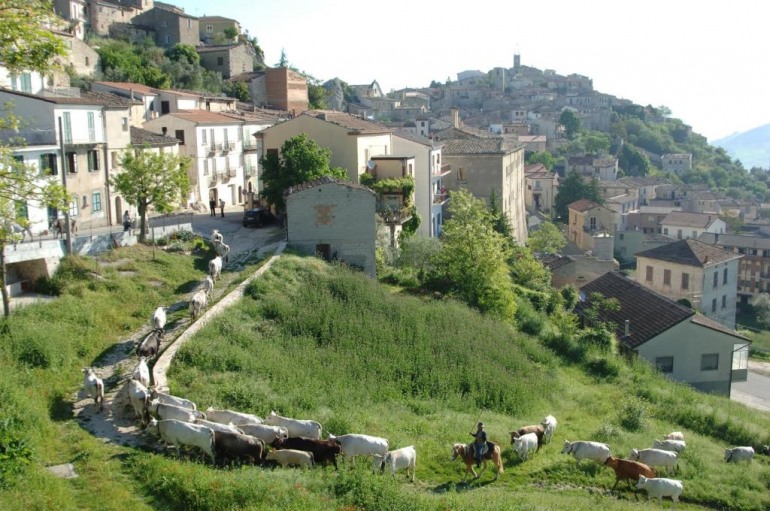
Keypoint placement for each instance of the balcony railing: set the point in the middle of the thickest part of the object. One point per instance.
(250, 170)
(392, 214)
(440, 198)
(250, 145)
(443, 171)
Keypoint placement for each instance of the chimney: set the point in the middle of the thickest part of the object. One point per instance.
(627, 330)
(455, 118)
(706, 259)
(132, 93)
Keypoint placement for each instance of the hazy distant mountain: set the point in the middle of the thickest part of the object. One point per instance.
(751, 147)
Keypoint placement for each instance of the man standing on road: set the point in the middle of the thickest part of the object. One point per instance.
(212, 207)
(222, 207)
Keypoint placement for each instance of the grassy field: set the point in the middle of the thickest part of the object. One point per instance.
(321, 342)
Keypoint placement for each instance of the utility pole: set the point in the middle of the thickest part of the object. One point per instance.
(64, 170)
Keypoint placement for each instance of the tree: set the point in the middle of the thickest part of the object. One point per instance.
(596, 142)
(544, 157)
(571, 123)
(183, 52)
(574, 188)
(316, 95)
(231, 32)
(152, 180)
(500, 221)
(734, 222)
(473, 260)
(237, 90)
(284, 61)
(546, 239)
(24, 44)
(301, 159)
(761, 305)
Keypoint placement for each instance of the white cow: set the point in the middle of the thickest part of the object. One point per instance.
(674, 435)
(223, 250)
(173, 400)
(403, 458)
(660, 487)
(360, 445)
(549, 424)
(215, 268)
(208, 285)
(581, 450)
(669, 445)
(227, 428)
(139, 398)
(655, 458)
(142, 372)
(198, 302)
(267, 433)
(159, 318)
(231, 417)
(179, 433)
(295, 427)
(94, 387)
(286, 457)
(525, 444)
(165, 412)
(737, 454)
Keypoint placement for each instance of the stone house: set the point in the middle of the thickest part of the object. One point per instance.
(541, 188)
(648, 218)
(678, 163)
(394, 205)
(76, 12)
(591, 228)
(278, 88)
(630, 242)
(229, 60)
(81, 58)
(212, 29)
(171, 24)
(682, 344)
(334, 220)
(603, 169)
(680, 225)
(623, 205)
(704, 275)
(105, 15)
(753, 267)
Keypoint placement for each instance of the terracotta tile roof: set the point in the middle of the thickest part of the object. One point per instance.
(204, 117)
(554, 261)
(583, 205)
(140, 137)
(459, 146)
(324, 180)
(351, 122)
(684, 219)
(129, 86)
(690, 252)
(648, 312)
(86, 98)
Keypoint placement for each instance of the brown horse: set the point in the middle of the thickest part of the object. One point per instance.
(465, 451)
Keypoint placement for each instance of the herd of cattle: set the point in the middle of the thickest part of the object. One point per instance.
(230, 436)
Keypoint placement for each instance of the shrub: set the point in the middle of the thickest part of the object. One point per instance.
(528, 319)
(15, 452)
(603, 367)
(632, 414)
(183, 235)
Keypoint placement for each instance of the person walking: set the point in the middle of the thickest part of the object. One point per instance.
(212, 207)
(222, 207)
(126, 221)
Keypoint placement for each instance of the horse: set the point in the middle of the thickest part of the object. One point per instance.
(465, 451)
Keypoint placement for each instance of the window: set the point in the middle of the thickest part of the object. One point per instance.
(168, 37)
(85, 202)
(93, 160)
(226, 138)
(461, 175)
(48, 165)
(709, 362)
(716, 279)
(666, 277)
(189, 23)
(220, 61)
(740, 357)
(679, 234)
(72, 162)
(74, 206)
(87, 62)
(26, 82)
(96, 201)
(724, 276)
(714, 305)
(685, 281)
(649, 275)
(213, 140)
(205, 167)
(179, 134)
(665, 364)
(114, 159)
(210, 29)
(91, 127)
(67, 121)
(665, 231)
(203, 137)
(724, 301)
(124, 123)
(622, 237)
(695, 234)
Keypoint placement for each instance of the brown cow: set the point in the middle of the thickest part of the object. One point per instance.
(323, 451)
(235, 446)
(537, 429)
(628, 470)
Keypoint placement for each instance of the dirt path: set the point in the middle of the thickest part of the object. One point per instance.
(117, 421)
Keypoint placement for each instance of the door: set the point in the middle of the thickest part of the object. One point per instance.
(324, 251)
(165, 107)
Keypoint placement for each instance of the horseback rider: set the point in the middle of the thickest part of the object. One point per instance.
(480, 443)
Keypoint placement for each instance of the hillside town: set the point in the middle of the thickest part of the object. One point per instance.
(475, 133)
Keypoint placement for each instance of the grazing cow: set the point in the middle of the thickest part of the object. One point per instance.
(173, 400)
(215, 268)
(655, 458)
(165, 411)
(208, 285)
(94, 387)
(674, 435)
(525, 444)
(295, 427)
(360, 445)
(549, 424)
(323, 451)
(228, 428)
(737, 454)
(230, 446)
(198, 302)
(150, 345)
(537, 429)
(291, 457)
(669, 445)
(628, 470)
(581, 450)
(267, 433)
(179, 433)
(139, 398)
(159, 318)
(660, 487)
(231, 417)
(397, 459)
(142, 372)
(223, 251)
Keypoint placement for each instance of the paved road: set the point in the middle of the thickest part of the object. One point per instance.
(756, 391)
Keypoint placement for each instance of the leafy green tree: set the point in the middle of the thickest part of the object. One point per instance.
(231, 32)
(761, 305)
(24, 44)
(596, 142)
(472, 263)
(500, 221)
(183, 52)
(316, 94)
(237, 90)
(544, 157)
(284, 60)
(527, 271)
(574, 188)
(571, 123)
(151, 180)
(301, 159)
(633, 162)
(734, 223)
(546, 239)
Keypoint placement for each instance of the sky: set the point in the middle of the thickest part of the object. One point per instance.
(706, 61)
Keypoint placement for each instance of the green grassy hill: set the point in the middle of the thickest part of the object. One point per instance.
(316, 341)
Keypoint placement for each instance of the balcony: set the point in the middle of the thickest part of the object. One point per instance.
(393, 214)
(250, 145)
(212, 149)
(250, 170)
(440, 198)
(227, 147)
(445, 169)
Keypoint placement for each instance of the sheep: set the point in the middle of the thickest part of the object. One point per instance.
(628, 470)
(737, 454)
(537, 429)
(596, 451)
(525, 444)
(655, 458)
(94, 387)
(287, 457)
(198, 302)
(669, 445)
(674, 435)
(549, 424)
(142, 372)
(660, 487)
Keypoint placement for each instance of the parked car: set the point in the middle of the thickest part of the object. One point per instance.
(257, 217)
